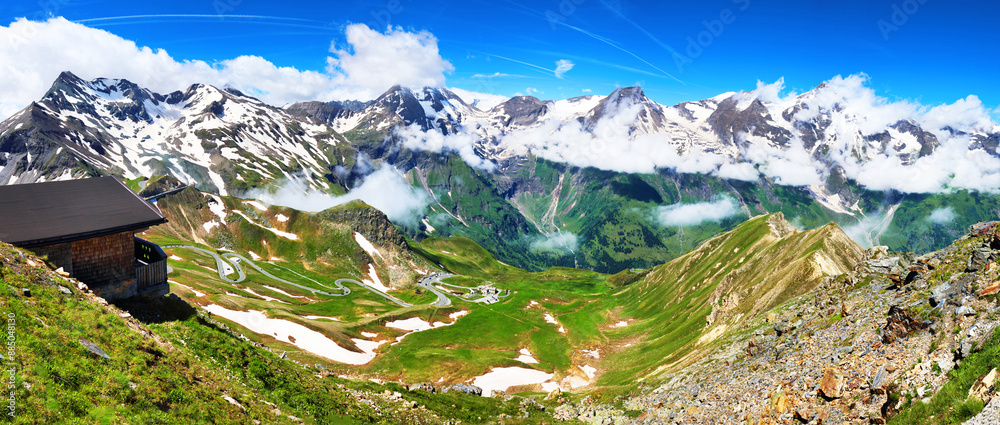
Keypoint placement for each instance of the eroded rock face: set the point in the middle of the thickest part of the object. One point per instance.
(899, 324)
(779, 226)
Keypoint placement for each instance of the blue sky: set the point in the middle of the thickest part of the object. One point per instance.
(928, 51)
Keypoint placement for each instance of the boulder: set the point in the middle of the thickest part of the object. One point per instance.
(981, 389)
(879, 381)
(465, 388)
(965, 311)
(941, 293)
(964, 349)
(93, 348)
(990, 289)
(782, 327)
(979, 258)
(426, 386)
(832, 384)
(899, 324)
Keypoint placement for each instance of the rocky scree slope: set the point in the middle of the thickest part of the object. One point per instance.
(899, 338)
(681, 307)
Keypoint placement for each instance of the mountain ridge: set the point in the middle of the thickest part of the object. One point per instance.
(591, 171)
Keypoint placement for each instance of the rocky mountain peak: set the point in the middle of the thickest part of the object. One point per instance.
(635, 93)
(521, 110)
(728, 121)
(368, 221)
(649, 117)
(779, 226)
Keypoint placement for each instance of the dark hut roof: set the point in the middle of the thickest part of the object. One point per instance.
(65, 211)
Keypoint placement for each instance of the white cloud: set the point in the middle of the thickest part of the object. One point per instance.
(531, 91)
(942, 215)
(694, 214)
(484, 101)
(587, 90)
(868, 230)
(462, 143)
(376, 61)
(562, 67)
(609, 145)
(739, 171)
(33, 54)
(791, 166)
(560, 241)
(497, 75)
(384, 189)
(766, 93)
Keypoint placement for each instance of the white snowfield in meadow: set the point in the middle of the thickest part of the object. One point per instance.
(304, 338)
(501, 378)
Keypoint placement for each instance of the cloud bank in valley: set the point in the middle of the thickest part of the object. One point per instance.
(384, 189)
(869, 229)
(558, 242)
(681, 215)
(461, 143)
(943, 215)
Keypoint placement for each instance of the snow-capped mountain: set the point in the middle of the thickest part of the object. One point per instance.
(835, 129)
(220, 140)
(585, 171)
(430, 109)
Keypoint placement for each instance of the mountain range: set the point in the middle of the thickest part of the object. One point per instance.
(600, 182)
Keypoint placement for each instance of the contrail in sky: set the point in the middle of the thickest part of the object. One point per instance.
(612, 43)
(119, 18)
(622, 16)
(615, 45)
(272, 20)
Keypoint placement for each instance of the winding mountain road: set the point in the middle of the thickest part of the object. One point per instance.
(428, 284)
(234, 260)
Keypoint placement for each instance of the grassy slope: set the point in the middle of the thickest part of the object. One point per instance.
(488, 218)
(912, 229)
(174, 366)
(614, 214)
(952, 404)
(671, 303)
(491, 335)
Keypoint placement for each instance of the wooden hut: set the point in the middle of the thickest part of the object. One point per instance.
(88, 228)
